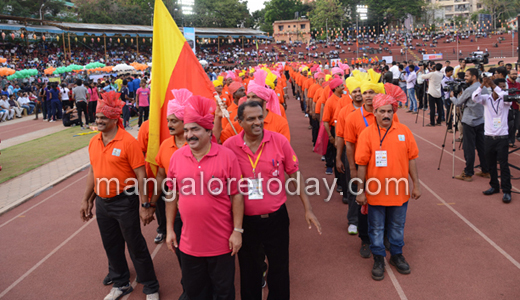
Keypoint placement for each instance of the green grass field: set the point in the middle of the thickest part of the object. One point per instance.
(21, 158)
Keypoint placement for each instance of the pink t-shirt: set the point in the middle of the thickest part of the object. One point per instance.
(93, 94)
(276, 158)
(144, 96)
(206, 216)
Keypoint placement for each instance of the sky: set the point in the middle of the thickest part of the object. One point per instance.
(255, 5)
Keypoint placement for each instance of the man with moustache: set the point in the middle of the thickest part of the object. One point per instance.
(264, 158)
(237, 91)
(355, 123)
(386, 150)
(204, 179)
(115, 154)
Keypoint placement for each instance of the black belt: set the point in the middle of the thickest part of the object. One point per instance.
(124, 194)
(497, 137)
(266, 216)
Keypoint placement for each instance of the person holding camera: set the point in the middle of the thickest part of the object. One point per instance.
(472, 127)
(434, 95)
(496, 134)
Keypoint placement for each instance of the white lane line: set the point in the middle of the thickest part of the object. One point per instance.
(134, 283)
(396, 284)
(14, 284)
(485, 237)
(450, 153)
(51, 196)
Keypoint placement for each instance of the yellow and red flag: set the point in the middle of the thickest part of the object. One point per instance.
(174, 66)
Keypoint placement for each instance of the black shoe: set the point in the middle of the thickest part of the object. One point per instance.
(386, 242)
(339, 189)
(107, 280)
(400, 264)
(492, 191)
(344, 200)
(506, 198)
(159, 238)
(365, 250)
(378, 270)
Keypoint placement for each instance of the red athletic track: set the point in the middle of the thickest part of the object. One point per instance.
(17, 129)
(63, 258)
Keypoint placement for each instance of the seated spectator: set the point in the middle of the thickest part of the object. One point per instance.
(8, 113)
(70, 117)
(24, 102)
(14, 105)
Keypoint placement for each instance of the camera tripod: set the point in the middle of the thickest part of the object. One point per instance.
(424, 104)
(455, 122)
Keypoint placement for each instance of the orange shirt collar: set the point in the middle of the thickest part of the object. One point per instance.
(118, 137)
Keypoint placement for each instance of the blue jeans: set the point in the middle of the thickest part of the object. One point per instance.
(404, 91)
(413, 101)
(395, 217)
(55, 109)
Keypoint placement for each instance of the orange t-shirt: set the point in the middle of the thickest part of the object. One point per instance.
(323, 99)
(355, 124)
(226, 97)
(272, 122)
(117, 160)
(328, 109)
(163, 158)
(312, 90)
(317, 94)
(400, 148)
(307, 84)
(233, 110)
(279, 92)
(341, 118)
(344, 101)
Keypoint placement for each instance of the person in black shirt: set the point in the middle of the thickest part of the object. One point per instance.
(70, 117)
(125, 96)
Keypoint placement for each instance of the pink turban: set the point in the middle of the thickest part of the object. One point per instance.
(343, 66)
(394, 95)
(336, 70)
(276, 73)
(242, 100)
(233, 87)
(261, 91)
(177, 105)
(231, 75)
(111, 106)
(200, 110)
(319, 75)
(335, 83)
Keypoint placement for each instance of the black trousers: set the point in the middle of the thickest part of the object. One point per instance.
(315, 129)
(119, 223)
(143, 114)
(421, 99)
(330, 155)
(271, 233)
(362, 226)
(498, 149)
(449, 113)
(513, 119)
(474, 138)
(92, 111)
(435, 106)
(82, 108)
(209, 278)
(293, 88)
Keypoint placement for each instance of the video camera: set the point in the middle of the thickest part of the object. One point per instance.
(456, 86)
(477, 57)
(512, 95)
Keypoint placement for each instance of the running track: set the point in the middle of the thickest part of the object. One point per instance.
(13, 130)
(459, 243)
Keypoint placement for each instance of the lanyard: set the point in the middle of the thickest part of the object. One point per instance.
(257, 159)
(364, 119)
(498, 105)
(381, 140)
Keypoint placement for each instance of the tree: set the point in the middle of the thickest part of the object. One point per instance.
(114, 12)
(223, 13)
(276, 10)
(394, 10)
(51, 10)
(326, 13)
(259, 21)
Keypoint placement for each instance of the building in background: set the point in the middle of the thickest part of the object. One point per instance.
(292, 30)
(452, 8)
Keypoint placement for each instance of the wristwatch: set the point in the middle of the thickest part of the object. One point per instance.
(239, 230)
(148, 205)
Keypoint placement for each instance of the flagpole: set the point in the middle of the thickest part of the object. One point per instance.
(225, 112)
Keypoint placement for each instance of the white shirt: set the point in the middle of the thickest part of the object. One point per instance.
(495, 112)
(410, 80)
(23, 100)
(395, 72)
(434, 83)
(5, 104)
(65, 94)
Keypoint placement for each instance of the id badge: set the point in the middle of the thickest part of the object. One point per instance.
(497, 122)
(254, 189)
(381, 158)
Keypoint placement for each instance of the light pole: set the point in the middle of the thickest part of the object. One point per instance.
(361, 13)
(41, 16)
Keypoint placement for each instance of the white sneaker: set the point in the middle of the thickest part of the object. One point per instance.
(323, 158)
(51, 121)
(306, 115)
(118, 292)
(352, 229)
(154, 296)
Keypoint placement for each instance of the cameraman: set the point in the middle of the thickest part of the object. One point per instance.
(420, 87)
(434, 94)
(496, 134)
(446, 95)
(472, 127)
